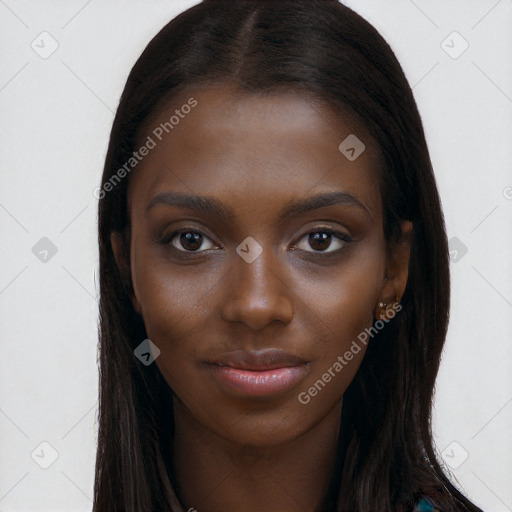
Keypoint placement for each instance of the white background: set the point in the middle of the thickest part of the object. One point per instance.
(56, 115)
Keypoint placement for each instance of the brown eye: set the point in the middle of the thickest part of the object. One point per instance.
(188, 240)
(325, 241)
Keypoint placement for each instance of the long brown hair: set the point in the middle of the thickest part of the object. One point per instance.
(386, 456)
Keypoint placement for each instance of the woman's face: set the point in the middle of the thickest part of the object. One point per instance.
(257, 259)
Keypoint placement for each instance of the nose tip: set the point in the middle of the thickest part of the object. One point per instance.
(258, 313)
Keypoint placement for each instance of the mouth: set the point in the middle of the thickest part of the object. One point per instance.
(259, 373)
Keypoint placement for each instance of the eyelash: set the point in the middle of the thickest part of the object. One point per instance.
(167, 240)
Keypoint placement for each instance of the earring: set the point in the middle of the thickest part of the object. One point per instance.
(384, 306)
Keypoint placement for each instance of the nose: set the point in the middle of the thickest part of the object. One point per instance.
(257, 293)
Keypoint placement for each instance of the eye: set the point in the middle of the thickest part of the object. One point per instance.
(188, 240)
(321, 240)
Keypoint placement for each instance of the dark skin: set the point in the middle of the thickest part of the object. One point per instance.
(255, 155)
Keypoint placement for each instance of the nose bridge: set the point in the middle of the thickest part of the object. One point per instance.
(257, 276)
(257, 294)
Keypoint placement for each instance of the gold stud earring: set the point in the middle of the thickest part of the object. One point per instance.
(384, 305)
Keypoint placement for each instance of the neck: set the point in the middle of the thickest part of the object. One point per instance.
(216, 475)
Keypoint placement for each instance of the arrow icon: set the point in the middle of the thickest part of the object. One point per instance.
(457, 249)
(455, 455)
(44, 455)
(249, 249)
(44, 250)
(147, 352)
(44, 45)
(351, 147)
(454, 45)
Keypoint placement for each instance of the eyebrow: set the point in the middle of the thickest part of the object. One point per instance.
(210, 205)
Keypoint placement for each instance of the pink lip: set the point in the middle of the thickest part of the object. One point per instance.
(259, 373)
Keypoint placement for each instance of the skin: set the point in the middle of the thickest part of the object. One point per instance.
(255, 154)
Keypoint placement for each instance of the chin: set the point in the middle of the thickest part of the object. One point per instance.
(264, 430)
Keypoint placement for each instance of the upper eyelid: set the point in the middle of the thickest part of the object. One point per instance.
(202, 231)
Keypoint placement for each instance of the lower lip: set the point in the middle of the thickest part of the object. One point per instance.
(259, 383)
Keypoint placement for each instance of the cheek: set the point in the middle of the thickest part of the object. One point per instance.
(172, 306)
(343, 306)
(344, 298)
(175, 308)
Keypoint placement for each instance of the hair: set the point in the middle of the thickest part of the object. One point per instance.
(386, 458)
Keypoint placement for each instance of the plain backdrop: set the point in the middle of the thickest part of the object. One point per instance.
(62, 69)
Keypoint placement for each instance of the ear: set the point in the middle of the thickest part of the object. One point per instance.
(122, 258)
(397, 271)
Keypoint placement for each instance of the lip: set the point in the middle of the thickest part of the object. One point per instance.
(259, 360)
(259, 373)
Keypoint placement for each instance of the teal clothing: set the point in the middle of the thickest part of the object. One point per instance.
(425, 505)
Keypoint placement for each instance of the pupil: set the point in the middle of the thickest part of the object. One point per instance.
(190, 241)
(321, 239)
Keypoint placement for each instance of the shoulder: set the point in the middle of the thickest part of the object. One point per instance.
(425, 504)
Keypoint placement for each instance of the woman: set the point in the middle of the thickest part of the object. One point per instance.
(274, 272)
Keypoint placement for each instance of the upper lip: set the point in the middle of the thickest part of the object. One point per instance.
(267, 359)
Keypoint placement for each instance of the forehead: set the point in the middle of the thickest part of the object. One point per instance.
(240, 147)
